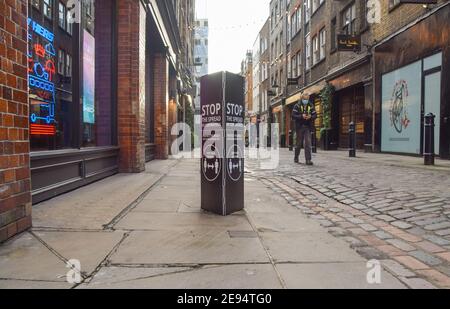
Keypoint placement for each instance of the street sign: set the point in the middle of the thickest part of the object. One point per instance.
(349, 42)
(222, 163)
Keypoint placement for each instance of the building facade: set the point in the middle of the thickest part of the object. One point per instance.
(247, 72)
(201, 54)
(264, 68)
(369, 83)
(278, 64)
(86, 92)
(411, 77)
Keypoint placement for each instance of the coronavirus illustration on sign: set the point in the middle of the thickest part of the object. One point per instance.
(399, 106)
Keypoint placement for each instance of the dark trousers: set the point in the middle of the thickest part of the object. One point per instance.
(304, 140)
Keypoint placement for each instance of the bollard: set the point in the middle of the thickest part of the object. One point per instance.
(291, 140)
(429, 155)
(313, 142)
(352, 140)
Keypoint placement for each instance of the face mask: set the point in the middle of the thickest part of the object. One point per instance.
(305, 102)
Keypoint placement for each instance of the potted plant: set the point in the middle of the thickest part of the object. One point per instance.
(326, 98)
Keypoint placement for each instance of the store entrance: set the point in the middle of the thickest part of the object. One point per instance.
(432, 100)
(351, 109)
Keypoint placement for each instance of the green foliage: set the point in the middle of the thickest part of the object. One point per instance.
(326, 97)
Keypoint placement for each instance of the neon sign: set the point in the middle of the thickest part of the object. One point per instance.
(41, 70)
(35, 27)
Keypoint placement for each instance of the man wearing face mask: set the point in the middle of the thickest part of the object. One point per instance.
(304, 115)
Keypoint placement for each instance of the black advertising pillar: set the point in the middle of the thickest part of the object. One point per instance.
(222, 163)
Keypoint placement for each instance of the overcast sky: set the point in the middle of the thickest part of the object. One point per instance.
(234, 25)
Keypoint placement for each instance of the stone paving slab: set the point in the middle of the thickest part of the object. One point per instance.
(159, 205)
(182, 222)
(90, 248)
(209, 277)
(333, 276)
(25, 258)
(197, 247)
(93, 206)
(283, 222)
(308, 247)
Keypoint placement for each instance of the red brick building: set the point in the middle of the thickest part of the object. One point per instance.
(85, 93)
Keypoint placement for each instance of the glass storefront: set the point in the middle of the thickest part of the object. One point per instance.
(65, 68)
(406, 93)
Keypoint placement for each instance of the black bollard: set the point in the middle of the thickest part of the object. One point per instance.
(291, 140)
(314, 142)
(429, 139)
(352, 140)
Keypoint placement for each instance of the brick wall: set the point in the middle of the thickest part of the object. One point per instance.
(394, 19)
(15, 183)
(161, 101)
(131, 111)
(103, 71)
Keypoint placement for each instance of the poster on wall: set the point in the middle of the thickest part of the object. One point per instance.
(401, 110)
(88, 78)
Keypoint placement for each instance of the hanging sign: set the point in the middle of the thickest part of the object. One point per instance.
(349, 42)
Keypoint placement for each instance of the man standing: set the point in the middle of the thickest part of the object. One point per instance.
(304, 115)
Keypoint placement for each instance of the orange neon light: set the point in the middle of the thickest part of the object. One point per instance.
(37, 129)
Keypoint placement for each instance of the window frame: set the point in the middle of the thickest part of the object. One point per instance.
(64, 20)
(322, 43)
(46, 6)
(349, 28)
(61, 62)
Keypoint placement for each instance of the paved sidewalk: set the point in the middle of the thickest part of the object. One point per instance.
(390, 208)
(147, 231)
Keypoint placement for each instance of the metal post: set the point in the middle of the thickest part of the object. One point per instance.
(352, 140)
(429, 155)
(314, 141)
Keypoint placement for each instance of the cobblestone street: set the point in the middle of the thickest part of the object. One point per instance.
(388, 208)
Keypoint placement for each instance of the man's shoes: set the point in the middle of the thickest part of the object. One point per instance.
(309, 163)
(296, 161)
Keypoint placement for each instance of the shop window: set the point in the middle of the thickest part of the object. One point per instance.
(55, 121)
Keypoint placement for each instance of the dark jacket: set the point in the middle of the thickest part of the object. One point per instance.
(300, 110)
